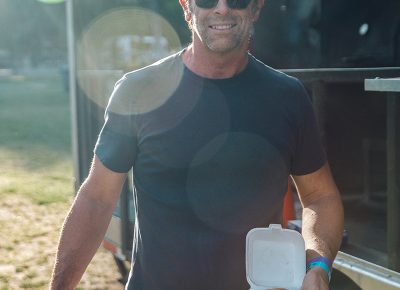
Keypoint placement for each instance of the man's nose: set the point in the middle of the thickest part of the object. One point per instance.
(222, 7)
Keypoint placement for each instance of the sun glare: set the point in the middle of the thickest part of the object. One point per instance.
(119, 41)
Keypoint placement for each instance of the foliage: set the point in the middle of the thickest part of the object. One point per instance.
(31, 32)
(87, 10)
(39, 32)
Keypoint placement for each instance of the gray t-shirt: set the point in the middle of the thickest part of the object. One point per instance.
(211, 160)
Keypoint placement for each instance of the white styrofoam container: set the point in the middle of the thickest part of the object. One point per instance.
(275, 258)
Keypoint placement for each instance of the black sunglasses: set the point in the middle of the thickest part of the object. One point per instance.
(232, 4)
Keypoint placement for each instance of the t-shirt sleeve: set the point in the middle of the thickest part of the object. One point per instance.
(309, 154)
(116, 145)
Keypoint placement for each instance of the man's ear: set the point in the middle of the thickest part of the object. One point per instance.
(186, 10)
(256, 8)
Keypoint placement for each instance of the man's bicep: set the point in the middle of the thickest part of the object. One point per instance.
(102, 183)
(316, 185)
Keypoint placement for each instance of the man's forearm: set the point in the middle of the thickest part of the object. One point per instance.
(82, 233)
(323, 227)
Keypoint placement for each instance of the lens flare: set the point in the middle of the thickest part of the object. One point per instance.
(234, 178)
(119, 41)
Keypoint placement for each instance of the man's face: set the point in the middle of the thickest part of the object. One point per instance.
(222, 29)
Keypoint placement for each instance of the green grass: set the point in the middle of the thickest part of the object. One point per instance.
(33, 285)
(35, 154)
(36, 184)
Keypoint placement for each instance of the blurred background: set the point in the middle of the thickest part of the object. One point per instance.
(59, 61)
(33, 36)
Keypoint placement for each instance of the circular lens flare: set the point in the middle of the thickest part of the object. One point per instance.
(119, 41)
(233, 179)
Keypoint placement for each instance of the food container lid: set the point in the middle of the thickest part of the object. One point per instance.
(275, 258)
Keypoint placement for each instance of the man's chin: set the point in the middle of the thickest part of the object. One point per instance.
(223, 47)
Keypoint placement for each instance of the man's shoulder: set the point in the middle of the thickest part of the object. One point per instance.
(155, 71)
(147, 88)
(286, 88)
(272, 75)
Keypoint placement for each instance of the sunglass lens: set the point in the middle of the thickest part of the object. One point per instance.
(206, 3)
(233, 4)
(238, 4)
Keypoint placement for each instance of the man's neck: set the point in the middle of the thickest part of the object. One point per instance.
(214, 65)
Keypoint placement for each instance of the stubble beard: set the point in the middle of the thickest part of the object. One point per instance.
(225, 43)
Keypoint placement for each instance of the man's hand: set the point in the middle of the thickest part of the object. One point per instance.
(316, 279)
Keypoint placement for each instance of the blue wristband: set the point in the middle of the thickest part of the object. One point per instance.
(321, 262)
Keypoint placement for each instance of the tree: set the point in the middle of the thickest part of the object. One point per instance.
(32, 32)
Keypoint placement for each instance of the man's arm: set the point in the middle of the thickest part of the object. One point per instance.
(86, 224)
(323, 219)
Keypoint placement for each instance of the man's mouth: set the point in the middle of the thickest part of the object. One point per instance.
(222, 26)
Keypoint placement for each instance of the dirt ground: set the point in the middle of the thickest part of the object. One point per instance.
(29, 234)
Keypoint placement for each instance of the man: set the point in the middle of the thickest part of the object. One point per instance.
(212, 135)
